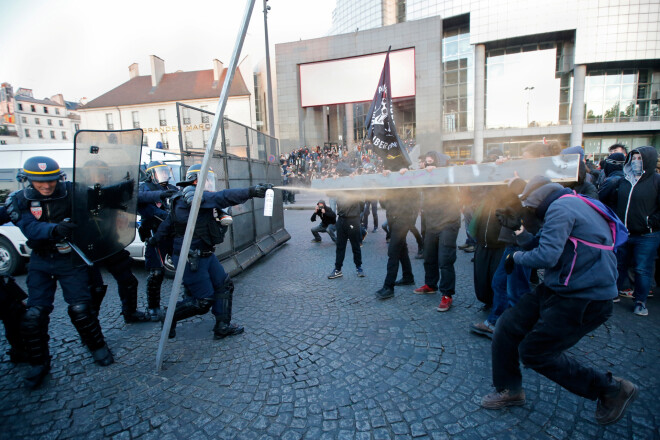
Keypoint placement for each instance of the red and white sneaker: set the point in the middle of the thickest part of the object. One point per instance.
(445, 303)
(627, 293)
(424, 289)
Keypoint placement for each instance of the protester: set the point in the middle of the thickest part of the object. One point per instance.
(558, 313)
(348, 229)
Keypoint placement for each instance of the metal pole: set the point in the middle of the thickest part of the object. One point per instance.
(269, 88)
(194, 209)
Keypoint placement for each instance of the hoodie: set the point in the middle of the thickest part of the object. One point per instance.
(638, 200)
(329, 218)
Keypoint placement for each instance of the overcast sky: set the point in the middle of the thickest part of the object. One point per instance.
(82, 48)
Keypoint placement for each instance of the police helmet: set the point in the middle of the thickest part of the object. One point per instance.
(192, 175)
(40, 169)
(158, 172)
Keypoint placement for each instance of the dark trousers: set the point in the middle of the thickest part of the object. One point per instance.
(486, 260)
(537, 331)
(207, 282)
(348, 229)
(120, 267)
(43, 273)
(639, 253)
(439, 258)
(397, 251)
(373, 205)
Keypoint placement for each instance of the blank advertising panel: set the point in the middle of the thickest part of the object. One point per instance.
(355, 79)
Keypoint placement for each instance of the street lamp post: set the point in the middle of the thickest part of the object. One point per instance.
(269, 90)
(529, 92)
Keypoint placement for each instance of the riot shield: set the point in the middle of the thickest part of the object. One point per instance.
(105, 175)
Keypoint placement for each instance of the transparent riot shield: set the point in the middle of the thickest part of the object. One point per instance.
(106, 173)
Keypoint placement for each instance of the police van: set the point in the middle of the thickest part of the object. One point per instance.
(14, 251)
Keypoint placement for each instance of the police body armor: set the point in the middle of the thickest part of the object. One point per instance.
(207, 227)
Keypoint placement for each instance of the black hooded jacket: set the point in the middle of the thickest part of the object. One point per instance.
(329, 218)
(638, 201)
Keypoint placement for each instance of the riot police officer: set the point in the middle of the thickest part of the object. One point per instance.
(204, 276)
(42, 211)
(152, 207)
(12, 309)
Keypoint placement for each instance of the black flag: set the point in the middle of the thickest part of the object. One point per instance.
(380, 124)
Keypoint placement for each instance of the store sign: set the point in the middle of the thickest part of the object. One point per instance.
(175, 129)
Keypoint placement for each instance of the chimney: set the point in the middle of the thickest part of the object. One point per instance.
(133, 71)
(218, 67)
(157, 70)
(84, 100)
(58, 99)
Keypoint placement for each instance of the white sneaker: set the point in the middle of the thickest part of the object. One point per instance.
(641, 310)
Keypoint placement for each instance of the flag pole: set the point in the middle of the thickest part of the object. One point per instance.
(197, 199)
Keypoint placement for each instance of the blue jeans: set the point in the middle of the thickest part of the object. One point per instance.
(507, 289)
(639, 252)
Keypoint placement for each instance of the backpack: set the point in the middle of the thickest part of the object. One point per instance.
(619, 230)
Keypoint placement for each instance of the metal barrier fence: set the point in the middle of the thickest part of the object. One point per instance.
(244, 157)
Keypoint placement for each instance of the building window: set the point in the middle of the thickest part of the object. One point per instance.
(205, 135)
(76, 127)
(45, 109)
(23, 119)
(20, 107)
(400, 11)
(622, 95)
(186, 115)
(27, 133)
(187, 140)
(52, 134)
(136, 119)
(64, 135)
(33, 109)
(40, 134)
(108, 121)
(205, 116)
(50, 122)
(163, 139)
(161, 117)
(37, 121)
(57, 111)
(458, 86)
(61, 123)
(259, 107)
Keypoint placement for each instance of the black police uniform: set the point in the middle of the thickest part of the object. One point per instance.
(152, 208)
(12, 309)
(204, 276)
(42, 221)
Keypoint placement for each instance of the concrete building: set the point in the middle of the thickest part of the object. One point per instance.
(488, 74)
(149, 102)
(29, 120)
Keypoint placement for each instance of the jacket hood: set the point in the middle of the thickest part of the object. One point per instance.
(536, 191)
(649, 159)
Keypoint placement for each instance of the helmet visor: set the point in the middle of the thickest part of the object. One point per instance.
(161, 173)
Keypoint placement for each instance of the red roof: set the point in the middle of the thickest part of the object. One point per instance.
(178, 86)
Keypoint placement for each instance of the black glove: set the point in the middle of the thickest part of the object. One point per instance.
(508, 219)
(189, 193)
(164, 195)
(64, 229)
(509, 264)
(259, 190)
(151, 241)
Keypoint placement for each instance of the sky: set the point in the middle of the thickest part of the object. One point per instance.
(82, 48)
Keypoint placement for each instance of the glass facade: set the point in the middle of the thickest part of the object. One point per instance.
(621, 95)
(597, 146)
(458, 89)
(524, 88)
(350, 15)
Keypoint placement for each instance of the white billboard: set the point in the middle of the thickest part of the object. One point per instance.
(355, 79)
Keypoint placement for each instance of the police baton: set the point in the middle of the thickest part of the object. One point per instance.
(80, 253)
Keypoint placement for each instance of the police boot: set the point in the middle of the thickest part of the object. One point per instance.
(34, 330)
(154, 282)
(128, 295)
(223, 299)
(90, 332)
(188, 308)
(98, 293)
(12, 317)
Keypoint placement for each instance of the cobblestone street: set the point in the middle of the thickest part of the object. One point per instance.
(319, 359)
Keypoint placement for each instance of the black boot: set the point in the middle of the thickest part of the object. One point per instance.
(224, 298)
(187, 308)
(90, 332)
(128, 295)
(34, 330)
(12, 317)
(154, 282)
